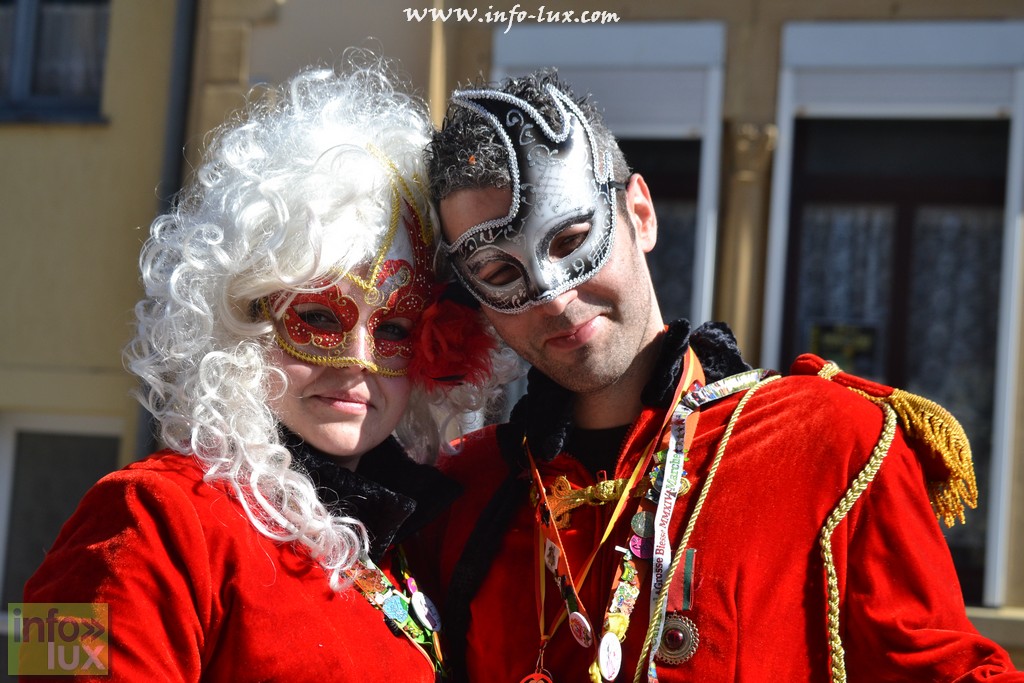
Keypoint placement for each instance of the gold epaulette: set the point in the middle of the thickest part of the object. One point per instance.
(930, 428)
(929, 424)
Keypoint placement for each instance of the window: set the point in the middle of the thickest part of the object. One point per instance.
(51, 58)
(671, 169)
(894, 132)
(895, 264)
(46, 466)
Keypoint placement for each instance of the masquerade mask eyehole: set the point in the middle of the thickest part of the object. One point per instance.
(393, 330)
(319, 317)
(568, 240)
(496, 271)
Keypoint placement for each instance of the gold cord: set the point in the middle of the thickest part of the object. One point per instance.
(837, 655)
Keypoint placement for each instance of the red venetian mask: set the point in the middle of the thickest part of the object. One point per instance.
(367, 318)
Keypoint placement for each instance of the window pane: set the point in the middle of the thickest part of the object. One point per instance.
(954, 291)
(71, 42)
(672, 171)
(671, 261)
(844, 284)
(51, 473)
(6, 45)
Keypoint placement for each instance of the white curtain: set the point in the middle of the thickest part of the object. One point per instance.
(70, 49)
(845, 277)
(952, 329)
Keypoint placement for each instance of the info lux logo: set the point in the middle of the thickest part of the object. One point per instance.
(57, 639)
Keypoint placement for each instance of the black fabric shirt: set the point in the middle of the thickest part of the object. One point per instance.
(391, 494)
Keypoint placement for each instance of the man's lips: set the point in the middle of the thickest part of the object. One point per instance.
(574, 337)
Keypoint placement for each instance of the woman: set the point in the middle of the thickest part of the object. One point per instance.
(292, 348)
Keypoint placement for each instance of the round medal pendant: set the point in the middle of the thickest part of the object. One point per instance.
(609, 656)
(643, 524)
(581, 629)
(536, 677)
(426, 612)
(679, 640)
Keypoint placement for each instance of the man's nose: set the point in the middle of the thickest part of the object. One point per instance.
(558, 304)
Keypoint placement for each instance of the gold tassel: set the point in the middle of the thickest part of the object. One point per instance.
(932, 426)
(927, 422)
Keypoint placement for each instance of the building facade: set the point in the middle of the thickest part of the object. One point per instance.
(840, 178)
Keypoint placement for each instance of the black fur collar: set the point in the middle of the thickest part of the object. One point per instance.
(545, 412)
(391, 494)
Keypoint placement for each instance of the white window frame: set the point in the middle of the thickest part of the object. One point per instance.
(13, 423)
(958, 69)
(592, 57)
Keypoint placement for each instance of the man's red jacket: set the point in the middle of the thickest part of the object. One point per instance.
(812, 485)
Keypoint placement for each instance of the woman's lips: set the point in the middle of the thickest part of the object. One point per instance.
(344, 403)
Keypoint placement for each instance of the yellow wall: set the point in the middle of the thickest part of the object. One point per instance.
(75, 200)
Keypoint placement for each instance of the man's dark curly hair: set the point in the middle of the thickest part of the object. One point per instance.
(468, 154)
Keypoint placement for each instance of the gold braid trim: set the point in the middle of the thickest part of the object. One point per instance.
(829, 370)
(563, 498)
(837, 655)
(928, 423)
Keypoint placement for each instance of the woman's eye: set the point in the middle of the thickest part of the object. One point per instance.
(393, 330)
(569, 240)
(497, 273)
(320, 317)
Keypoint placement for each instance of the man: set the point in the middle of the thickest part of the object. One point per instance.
(655, 509)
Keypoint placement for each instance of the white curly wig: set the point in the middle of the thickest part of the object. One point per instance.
(288, 193)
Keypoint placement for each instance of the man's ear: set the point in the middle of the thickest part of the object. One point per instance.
(640, 212)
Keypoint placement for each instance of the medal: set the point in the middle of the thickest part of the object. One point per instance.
(643, 524)
(581, 629)
(609, 657)
(641, 547)
(537, 677)
(678, 641)
(426, 612)
(395, 607)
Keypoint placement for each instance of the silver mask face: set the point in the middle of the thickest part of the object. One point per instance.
(561, 224)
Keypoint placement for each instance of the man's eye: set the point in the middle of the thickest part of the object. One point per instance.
(393, 330)
(498, 273)
(320, 317)
(569, 240)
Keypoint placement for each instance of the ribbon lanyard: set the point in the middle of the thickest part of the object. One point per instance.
(415, 616)
(550, 546)
(683, 418)
(553, 557)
